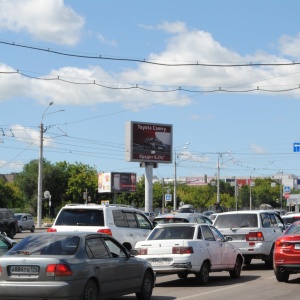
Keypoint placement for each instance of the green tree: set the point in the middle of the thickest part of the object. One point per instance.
(10, 195)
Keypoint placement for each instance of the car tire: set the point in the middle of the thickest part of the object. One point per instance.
(203, 275)
(90, 291)
(182, 275)
(20, 229)
(236, 272)
(32, 228)
(146, 287)
(281, 276)
(12, 232)
(269, 261)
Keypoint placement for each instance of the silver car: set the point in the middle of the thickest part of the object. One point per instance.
(73, 265)
(25, 222)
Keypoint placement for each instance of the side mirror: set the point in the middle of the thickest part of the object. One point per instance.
(133, 252)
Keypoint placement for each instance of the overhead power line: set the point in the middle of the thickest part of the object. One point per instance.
(171, 90)
(145, 61)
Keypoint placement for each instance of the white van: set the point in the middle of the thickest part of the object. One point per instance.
(252, 231)
(126, 224)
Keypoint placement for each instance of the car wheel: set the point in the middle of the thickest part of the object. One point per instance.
(282, 276)
(11, 233)
(90, 291)
(182, 275)
(20, 229)
(146, 287)
(236, 272)
(203, 274)
(32, 228)
(269, 261)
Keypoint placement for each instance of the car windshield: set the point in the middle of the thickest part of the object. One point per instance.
(46, 245)
(235, 220)
(19, 217)
(170, 233)
(80, 217)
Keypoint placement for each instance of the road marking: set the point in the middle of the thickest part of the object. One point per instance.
(210, 292)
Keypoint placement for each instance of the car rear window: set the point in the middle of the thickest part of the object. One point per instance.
(80, 217)
(171, 233)
(236, 220)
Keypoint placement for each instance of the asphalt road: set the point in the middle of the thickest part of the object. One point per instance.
(256, 282)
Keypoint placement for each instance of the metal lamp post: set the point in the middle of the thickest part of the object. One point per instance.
(40, 174)
(175, 175)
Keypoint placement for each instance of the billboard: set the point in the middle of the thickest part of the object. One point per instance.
(148, 142)
(114, 182)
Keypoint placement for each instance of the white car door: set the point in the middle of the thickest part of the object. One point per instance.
(214, 247)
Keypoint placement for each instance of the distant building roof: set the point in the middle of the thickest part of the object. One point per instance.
(8, 177)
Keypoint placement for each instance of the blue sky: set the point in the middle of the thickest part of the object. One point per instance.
(244, 115)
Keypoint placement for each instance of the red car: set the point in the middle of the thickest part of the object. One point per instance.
(287, 253)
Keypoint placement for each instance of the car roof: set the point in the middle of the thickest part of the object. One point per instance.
(248, 212)
(180, 225)
(180, 215)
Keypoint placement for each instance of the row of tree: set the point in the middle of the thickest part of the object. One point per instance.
(67, 183)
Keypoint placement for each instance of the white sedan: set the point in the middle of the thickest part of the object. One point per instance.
(188, 248)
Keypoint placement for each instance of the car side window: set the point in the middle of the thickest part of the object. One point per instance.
(217, 234)
(143, 222)
(3, 243)
(119, 218)
(131, 220)
(279, 222)
(273, 221)
(115, 249)
(207, 234)
(266, 222)
(96, 249)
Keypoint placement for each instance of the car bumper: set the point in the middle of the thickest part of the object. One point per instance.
(293, 268)
(40, 290)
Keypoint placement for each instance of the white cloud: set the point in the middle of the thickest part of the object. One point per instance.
(47, 20)
(258, 149)
(290, 46)
(29, 136)
(185, 46)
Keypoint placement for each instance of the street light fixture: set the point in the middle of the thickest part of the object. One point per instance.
(40, 174)
(175, 174)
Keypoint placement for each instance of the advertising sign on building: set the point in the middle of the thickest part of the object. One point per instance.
(116, 182)
(148, 142)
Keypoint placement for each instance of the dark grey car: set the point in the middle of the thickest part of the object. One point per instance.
(73, 265)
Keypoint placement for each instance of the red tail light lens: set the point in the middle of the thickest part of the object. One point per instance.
(142, 251)
(182, 250)
(105, 231)
(51, 229)
(58, 270)
(282, 243)
(255, 236)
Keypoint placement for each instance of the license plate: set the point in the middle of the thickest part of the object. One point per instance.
(160, 261)
(24, 270)
(238, 237)
(297, 246)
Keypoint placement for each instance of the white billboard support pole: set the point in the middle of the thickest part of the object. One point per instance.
(148, 187)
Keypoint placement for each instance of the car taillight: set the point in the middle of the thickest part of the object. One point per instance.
(0, 270)
(51, 229)
(105, 231)
(255, 236)
(58, 270)
(282, 243)
(182, 250)
(142, 251)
